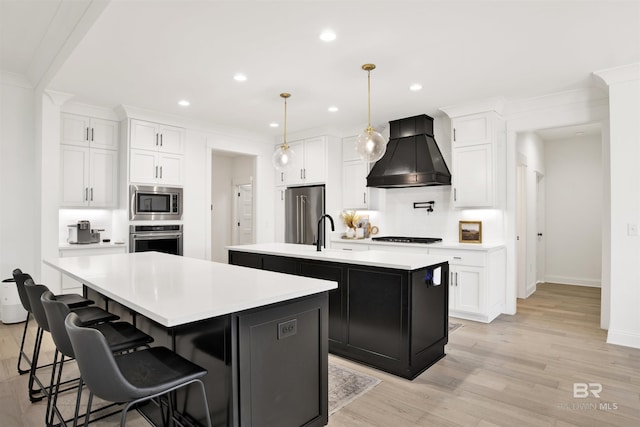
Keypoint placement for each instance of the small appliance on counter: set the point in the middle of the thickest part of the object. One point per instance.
(95, 235)
(80, 233)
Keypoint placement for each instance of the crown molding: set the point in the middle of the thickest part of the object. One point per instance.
(624, 73)
(495, 104)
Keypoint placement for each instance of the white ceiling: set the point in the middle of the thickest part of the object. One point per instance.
(150, 54)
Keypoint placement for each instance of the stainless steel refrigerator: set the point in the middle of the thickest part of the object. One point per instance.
(303, 207)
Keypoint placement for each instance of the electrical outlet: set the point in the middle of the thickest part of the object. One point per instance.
(287, 329)
(632, 230)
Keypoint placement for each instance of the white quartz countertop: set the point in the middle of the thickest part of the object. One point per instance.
(438, 245)
(174, 290)
(375, 258)
(75, 246)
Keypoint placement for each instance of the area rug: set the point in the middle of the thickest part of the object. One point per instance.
(346, 385)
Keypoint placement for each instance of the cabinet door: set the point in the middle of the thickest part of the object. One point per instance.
(143, 167)
(74, 172)
(293, 174)
(473, 176)
(279, 215)
(470, 130)
(171, 139)
(74, 130)
(314, 160)
(281, 177)
(355, 194)
(144, 135)
(468, 289)
(103, 181)
(104, 134)
(349, 152)
(170, 169)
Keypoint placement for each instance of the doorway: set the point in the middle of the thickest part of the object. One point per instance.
(243, 214)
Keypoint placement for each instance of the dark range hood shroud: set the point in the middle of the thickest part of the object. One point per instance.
(412, 159)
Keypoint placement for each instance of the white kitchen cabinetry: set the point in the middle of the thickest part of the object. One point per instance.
(156, 153)
(91, 132)
(477, 282)
(88, 172)
(309, 163)
(70, 285)
(355, 193)
(479, 163)
(279, 214)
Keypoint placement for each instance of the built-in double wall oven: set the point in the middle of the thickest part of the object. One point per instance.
(151, 203)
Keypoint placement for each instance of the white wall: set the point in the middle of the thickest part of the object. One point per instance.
(624, 134)
(18, 197)
(574, 210)
(531, 148)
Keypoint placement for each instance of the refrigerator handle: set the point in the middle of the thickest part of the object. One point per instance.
(297, 219)
(303, 208)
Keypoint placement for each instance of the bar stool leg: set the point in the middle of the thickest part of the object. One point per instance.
(21, 353)
(33, 397)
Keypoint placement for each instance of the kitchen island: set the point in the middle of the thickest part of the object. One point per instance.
(261, 335)
(390, 310)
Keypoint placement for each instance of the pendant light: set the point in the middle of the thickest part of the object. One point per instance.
(370, 145)
(283, 156)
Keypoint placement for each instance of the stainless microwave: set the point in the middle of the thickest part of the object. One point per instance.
(148, 202)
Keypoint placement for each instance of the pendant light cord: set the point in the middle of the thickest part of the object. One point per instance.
(369, 98)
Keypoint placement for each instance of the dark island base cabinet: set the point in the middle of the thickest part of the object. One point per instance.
(393, 320)
(265, 366)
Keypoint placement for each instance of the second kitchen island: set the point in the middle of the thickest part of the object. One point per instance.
(390, 310)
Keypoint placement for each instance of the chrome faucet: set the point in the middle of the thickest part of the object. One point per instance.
(318, 243)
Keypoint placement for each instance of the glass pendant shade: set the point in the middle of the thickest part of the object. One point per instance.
(282, 157)
(370, 145)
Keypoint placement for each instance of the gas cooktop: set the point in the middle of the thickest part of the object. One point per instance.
(401, 239)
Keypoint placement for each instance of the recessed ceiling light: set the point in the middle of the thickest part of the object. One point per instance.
(415, 87)
(184, 103)
(240, 77)
(327, 36)
(333, 109)
(274, 125)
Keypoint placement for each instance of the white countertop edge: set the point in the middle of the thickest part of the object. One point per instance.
(372, 258)
(439, 245)
(80, 246)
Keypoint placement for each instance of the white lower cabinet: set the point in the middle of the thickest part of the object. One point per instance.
(70, 285)
(477, 282)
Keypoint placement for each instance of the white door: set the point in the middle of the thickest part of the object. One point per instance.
(171, 140)
(103, 178)
(104, 134)
(144, 135)
(143, 166)
(75, 130)
(170, 169)
(74, 172)
(244, 214)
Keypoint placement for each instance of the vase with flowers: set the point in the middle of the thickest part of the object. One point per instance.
(350, 219)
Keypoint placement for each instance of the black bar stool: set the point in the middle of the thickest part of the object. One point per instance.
(132, 377)
(72, 300)
(120, 336)
(88, 315)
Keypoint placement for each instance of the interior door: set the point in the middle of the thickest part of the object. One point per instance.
(244, 214)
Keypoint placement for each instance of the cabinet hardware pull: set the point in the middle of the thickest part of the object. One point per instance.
(156, 171)
(91, 194)
(281, 176)
(156, 141)
(457, 257)
(451, 280)
(305, 173)
(161, 141)
(364, 198)
(91, 134)
(454, 195)
(86, 193)
(301, 174)
(454, 134)
(160, 172)
(281, 195)
(87, 137)
(456, 278)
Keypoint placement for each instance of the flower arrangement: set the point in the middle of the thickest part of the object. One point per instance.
(350, 219)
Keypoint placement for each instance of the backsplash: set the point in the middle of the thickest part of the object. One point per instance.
(99, 218)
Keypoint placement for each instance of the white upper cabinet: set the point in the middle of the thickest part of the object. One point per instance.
(355, 193)
(479, 160)
(309, 163)
(157, 137)
(88, 161)
(156, 154)
(89, 132)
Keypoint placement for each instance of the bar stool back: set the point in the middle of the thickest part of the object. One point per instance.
(121, 336)
(131, 377)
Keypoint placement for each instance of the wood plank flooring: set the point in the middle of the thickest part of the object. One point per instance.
(517, 371)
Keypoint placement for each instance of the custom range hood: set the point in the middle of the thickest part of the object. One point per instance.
(412, 159)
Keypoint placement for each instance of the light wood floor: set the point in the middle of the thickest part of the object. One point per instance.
(517, 371)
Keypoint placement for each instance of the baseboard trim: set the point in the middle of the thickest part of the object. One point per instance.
(576, 281)
(624, 338)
